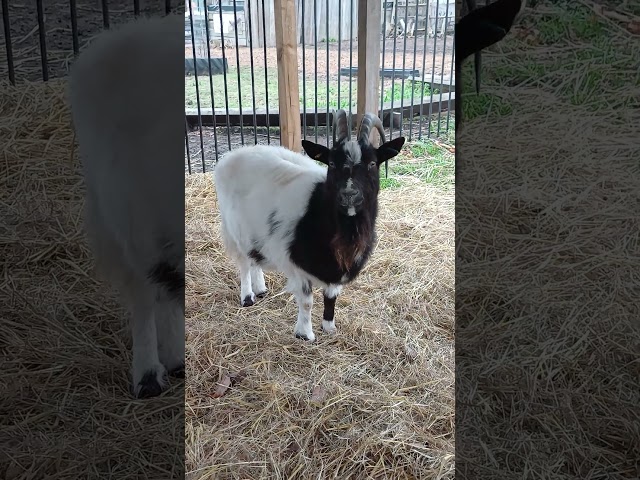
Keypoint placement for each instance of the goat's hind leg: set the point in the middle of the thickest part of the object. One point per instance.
(244, 264)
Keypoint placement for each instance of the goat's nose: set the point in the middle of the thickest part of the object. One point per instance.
(351, 197)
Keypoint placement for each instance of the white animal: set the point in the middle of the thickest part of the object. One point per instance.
(126, 93)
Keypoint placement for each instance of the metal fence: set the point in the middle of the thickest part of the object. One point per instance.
(40, 43)
(231, 80)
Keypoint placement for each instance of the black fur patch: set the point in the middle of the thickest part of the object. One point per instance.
(306, 288)
(256, 255)
(273, 224)
(167, 275)
(329, 308)
(312, 246)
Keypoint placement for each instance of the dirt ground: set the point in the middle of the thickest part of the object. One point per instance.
(424, 50)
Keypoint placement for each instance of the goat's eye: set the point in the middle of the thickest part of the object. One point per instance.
(331, 164)
(372, 165)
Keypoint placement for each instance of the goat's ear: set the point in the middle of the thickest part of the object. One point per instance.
(390, 149)
(316, 151)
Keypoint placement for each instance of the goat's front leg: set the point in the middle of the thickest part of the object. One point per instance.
(257, 281)
(304, 297)
(328, 321)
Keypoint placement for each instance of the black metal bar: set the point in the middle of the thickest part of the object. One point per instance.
(328, 129)
(253, 77)
(315, 49)
(136, 7)
(304, 76)
(167, 7)
(424, 70)
(213, 104)
(444, 52)
(266, 73)
(234, 115)
(413, 85)
(105, 13)
(351, 67)
(224, 73)
(393, 76)
(339, 46)
(235, 20)
(384, 46)
(404, 59)
(453, 59)
(73, 10)
(7, 40)
(195, 66)
(186, 143)
(433, 68)
(42, 34)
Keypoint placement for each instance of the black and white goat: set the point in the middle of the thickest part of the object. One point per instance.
(283, 212)
(128, 131)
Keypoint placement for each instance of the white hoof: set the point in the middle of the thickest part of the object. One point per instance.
(329, 327)
(304, 334)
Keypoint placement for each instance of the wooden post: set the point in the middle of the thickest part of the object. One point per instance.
(369, 21)
(285, 13)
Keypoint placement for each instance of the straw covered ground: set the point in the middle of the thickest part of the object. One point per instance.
(374, 401)
(547, 199)
(65, 408)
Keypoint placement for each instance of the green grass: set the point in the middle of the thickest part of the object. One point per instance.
(573, 18)
(423, 161)
(325, 97)
(578, 72)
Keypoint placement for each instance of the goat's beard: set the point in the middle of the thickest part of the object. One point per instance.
(351, 240)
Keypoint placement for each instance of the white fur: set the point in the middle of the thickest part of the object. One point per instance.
(252, 182)
(329, 326)
(353, 152)
(126, 125)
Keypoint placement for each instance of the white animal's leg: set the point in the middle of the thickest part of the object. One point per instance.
(304, 298)
(257, 281)
(149, 375)
(136, 295)
(328, 319)
(247, 297)
(169, 317)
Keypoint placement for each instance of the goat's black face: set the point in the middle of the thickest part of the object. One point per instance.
(353, 177)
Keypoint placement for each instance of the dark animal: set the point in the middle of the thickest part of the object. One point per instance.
(477, 30)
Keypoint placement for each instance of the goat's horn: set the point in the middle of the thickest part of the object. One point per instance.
(340, 126)
(364, 132)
